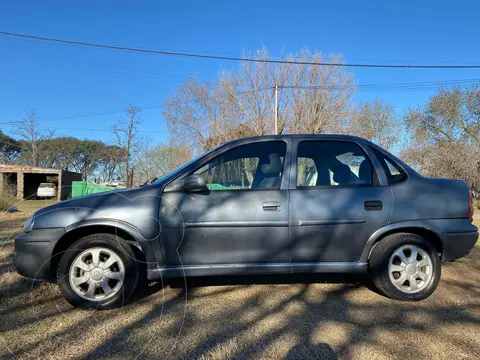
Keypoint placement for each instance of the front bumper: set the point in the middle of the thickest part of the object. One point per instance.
(34, 251)
(457, 245)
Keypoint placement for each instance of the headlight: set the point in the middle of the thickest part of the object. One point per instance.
(28, 225)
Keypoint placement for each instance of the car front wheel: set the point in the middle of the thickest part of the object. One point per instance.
(99, 271)
(405, 267)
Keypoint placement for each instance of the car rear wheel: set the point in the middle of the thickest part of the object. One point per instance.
(99, 271)
(405, 267)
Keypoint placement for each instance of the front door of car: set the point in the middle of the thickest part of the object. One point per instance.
(337, 202)
(240, 218)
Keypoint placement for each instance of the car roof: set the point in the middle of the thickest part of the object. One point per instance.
(299, 136)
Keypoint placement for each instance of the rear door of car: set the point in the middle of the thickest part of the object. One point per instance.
(239, 222)
(338, 198)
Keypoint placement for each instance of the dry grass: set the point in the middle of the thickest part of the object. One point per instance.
(30, 206)
(269, 321)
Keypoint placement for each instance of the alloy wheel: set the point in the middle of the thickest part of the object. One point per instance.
(410, 269)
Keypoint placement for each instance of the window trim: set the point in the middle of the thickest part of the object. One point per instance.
(204, 160)
(386, 156)
(375, 177)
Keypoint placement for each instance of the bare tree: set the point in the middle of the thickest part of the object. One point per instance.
(159, 160)
(450, 160)
(320, 95)
(128, 139)
(110, 163)
(312, 99)
(375, 121)
(192, 113)
(28, 130)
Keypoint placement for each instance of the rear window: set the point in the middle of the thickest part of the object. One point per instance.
(46, 185)
(394, 173)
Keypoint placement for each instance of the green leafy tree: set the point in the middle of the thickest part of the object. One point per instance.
(10, 149)
(445, 135)
(87, 157)
(58, 152)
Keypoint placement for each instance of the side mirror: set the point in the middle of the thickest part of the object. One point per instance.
(194, 182)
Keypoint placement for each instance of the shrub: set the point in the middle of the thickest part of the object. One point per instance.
(7, 196)
(5, 202)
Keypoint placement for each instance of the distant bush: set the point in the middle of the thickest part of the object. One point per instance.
(7, 196)
(5, 202)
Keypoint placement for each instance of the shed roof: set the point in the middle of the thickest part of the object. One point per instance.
(23, 168)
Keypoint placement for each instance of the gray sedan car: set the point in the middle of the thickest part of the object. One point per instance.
(265, 205)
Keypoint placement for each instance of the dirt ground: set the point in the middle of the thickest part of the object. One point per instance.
(273, 318)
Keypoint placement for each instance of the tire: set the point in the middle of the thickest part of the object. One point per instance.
(112, 286)
(416, 279)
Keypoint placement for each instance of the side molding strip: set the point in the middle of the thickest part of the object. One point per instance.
(325, 222)
(211, 224)
(256, 269)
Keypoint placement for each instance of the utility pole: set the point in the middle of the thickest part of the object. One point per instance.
(276, 108)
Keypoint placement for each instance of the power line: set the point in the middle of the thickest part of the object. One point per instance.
(391, 85)
(90, 129)
(407, 86)
(385, 86)
(83, 115)
(107, 112)
(233, 58)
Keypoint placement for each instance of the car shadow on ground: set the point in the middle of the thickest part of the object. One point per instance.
(149, 288)
(203, 281)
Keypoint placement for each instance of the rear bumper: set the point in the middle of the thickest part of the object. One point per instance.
(42, 194)
(459, 244)
(33, 253)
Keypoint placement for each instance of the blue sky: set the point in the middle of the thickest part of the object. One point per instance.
(63, 80)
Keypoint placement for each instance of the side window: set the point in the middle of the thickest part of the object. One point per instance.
(332, 163)
(393, 172)
(252, 166)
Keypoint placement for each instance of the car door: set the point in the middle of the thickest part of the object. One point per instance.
(336, 202)
(240, 221)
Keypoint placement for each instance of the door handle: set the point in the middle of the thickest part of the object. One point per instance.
(272, 206)
(373, 205)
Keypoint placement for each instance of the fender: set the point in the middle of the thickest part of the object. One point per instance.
(397, 227)
(145, 245)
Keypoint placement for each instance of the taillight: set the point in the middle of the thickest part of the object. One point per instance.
(470, 207)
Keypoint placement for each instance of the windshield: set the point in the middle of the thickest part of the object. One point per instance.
(184, 166)
(46, 185)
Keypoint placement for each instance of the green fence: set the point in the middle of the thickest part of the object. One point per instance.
(217, 187)
(80, 188)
